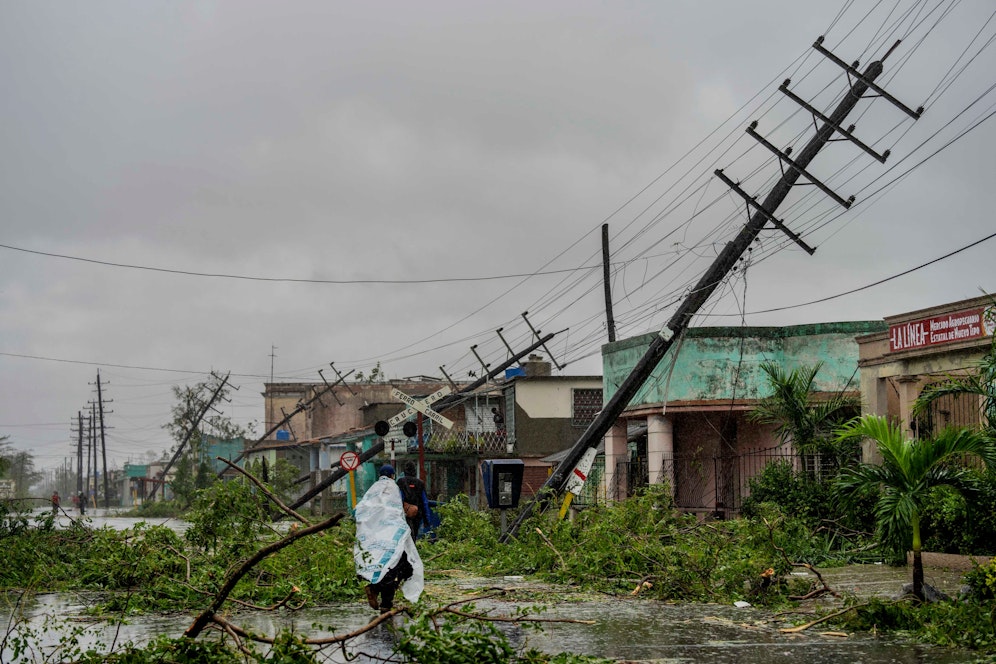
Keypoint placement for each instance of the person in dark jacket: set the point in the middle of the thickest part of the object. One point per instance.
(415, 500)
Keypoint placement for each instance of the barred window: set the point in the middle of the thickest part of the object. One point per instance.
(587, 403)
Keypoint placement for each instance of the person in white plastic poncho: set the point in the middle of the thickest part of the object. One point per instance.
(384, 550)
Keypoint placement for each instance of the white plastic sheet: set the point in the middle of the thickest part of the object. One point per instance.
(382, 535)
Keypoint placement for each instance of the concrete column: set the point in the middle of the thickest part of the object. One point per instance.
(660, 450)
(909, 390)
(616, 452)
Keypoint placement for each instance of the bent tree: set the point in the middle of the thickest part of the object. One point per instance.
(909, 470)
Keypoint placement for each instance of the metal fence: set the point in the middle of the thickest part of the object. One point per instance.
(960, 410)
(461, 441)
(715, 484)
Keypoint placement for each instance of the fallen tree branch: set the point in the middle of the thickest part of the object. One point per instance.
(250, 605)
(642, 584)
(185, 558)
(826, 589)
(515, 619)
(341, 638)
(205, 617)
(269, 494)
(812, 623)
(547, 541)
(236, 640)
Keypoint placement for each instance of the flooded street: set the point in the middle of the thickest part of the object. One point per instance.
(625, 627)
(112, 518)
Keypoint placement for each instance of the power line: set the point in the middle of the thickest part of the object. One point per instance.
(244, 277)
(871, 285)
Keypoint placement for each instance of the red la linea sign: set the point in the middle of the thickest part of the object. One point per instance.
(948, 328)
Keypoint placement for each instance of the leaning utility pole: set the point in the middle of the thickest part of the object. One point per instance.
(715, 274)
(301, 407)
(447, 402)
(190, 432)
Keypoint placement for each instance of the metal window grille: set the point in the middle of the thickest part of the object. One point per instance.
(960, 410)
(587, 403)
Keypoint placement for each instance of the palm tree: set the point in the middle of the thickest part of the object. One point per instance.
(909, 469)
(800, 416)
(981, 384)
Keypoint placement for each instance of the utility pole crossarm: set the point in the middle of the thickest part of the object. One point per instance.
(869, 81)
(846, 133)
(536, 333)
(752, 202)
(799, 166)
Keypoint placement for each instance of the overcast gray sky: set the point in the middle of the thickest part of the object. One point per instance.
(439, 146)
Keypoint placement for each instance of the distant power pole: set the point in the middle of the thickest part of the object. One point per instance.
(273, 354)
(79, 454)
(103, 441)
(91, 450)
(610, 323)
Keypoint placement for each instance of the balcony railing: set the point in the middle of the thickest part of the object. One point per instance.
(461, 441)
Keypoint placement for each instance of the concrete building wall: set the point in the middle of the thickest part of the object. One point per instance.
(542, 421)
(696, 406)
(539, 399)
(894, 370)
(362, 404)
(724, 363)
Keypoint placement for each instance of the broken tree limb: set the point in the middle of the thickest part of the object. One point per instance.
(266, 492)
(516, 619)
(546, 540)
(824, 590)
(339, 638)
(205, 617)
(813, 623)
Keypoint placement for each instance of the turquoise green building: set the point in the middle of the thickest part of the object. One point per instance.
(688, 425)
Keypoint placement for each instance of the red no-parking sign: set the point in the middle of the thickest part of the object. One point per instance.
(349, 461)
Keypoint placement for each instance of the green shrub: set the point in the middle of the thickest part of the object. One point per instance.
(954, 624)
(952, 524)
(796, 494)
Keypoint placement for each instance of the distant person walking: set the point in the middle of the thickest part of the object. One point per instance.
(56, 501)
(384, 551)
(416, 502)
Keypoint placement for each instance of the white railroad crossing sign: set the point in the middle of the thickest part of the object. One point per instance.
(420, 406)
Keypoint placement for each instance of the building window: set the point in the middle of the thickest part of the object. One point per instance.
(587, 404)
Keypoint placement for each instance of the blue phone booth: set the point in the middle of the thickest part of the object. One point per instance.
(502, 482)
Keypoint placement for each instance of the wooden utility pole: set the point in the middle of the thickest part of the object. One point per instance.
(301, 406)
(79, 453)
(708, 283)
(610, 322)
(190, 432)
(91, 451)
(103, 440)
(443, 404)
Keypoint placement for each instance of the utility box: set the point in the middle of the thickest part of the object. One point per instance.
(502, 482)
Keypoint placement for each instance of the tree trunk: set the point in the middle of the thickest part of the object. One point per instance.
(917, 560)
